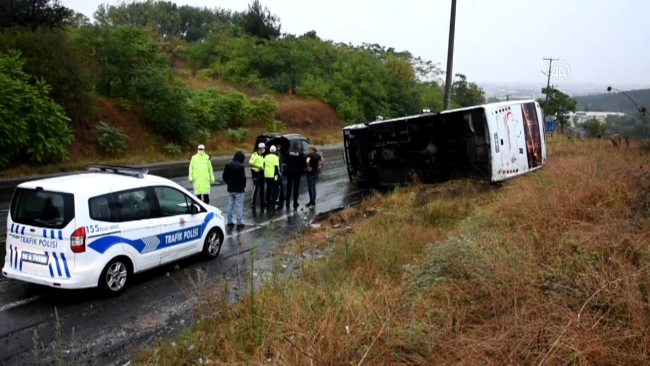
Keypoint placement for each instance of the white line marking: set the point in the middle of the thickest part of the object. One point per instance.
(19, 303)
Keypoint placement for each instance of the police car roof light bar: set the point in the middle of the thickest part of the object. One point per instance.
(116, 169)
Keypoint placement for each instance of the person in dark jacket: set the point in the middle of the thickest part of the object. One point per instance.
(295, 161)
(314, 164)
(234, 174)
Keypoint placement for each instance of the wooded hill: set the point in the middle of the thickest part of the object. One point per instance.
(151, 77)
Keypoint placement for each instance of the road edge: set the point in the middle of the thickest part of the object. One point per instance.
(7, 185)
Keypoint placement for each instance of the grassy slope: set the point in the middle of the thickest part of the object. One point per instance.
(312, 118)
(550, 269)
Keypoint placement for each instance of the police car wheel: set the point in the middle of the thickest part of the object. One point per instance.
(213, 242)
(114, 276)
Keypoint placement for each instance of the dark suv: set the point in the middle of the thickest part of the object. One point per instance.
(285, 141)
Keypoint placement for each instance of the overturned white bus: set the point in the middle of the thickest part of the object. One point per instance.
(497, 141)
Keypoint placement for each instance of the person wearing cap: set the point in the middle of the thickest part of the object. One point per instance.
(201, 174)
(256, 163)
(271, 173)
(295, 161)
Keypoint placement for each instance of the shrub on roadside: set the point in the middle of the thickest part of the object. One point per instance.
(163, 101)
(112, 138)
(237, 109)
(206, 109)
(275, 126)
(203, 135)
(264, 109)
(30, 121)
(238, 134)
(172, 149)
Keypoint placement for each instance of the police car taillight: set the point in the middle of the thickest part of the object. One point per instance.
(78, 240)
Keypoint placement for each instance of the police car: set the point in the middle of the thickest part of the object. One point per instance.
(97, 229)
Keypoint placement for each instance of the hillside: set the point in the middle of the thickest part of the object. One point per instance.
(614, 102)
(148, 81)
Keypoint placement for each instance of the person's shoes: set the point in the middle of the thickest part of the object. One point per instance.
(295, 205)
(240, 226)
(287, 204)
(311, 205)
(231, 225)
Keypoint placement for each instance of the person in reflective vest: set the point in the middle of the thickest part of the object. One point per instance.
(201, 174)
(256, 163)
(280, 174)
(271, 174)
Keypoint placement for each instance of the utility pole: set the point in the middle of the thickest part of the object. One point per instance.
(450, 55)
(548, 82)
(507, 97)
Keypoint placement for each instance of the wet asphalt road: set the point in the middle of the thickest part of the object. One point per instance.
(156, 303)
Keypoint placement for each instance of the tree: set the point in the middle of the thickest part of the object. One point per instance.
(559, 105)
(33, 14)
(595, 128)
(260, 22)
(122, 53)
(467, 94)
(629, 125)
(61, 57)
(31, 122)
(77, 20)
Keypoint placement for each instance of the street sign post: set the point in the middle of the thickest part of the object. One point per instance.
(550, 126)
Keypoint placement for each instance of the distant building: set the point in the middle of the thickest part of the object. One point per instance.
(581, 116)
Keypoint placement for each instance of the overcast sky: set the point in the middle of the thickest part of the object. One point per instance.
(601, 41)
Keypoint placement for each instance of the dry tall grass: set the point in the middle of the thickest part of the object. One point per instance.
(550, 269)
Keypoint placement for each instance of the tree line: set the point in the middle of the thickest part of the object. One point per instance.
(631, 124)
(63, 62)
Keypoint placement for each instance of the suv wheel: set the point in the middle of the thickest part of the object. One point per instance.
(213, 242)
(115, 276)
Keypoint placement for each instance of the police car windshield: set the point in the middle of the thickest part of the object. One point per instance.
(43, 209)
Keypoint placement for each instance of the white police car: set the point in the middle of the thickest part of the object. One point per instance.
(98, 228)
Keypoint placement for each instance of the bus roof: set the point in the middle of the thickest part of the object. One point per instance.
(486, 105)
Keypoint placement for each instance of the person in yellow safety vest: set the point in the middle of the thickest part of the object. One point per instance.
(256, 163)
(271, 175)
(201, 174)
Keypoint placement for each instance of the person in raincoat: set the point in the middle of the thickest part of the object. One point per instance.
(201, 174)
(271, 173)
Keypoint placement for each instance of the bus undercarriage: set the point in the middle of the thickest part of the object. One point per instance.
(427, 148)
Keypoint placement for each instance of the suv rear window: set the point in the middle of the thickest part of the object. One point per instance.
(40, 208)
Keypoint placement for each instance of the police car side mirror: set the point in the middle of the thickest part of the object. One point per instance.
(194, 209)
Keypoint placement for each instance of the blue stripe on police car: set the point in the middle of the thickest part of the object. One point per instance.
(154, 242)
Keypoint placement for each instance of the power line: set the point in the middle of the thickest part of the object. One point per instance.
(548, 82)
(450, 55)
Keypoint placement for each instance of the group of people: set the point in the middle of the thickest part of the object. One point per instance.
(266, 172)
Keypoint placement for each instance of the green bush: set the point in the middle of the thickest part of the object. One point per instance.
(203, 135)
(64, 61)
(206, 109)
(275, 126)
(264, 109)
(237, 109)
(112, 138)
(238, 134)
(30, 121)
(123, 54)
(164, 101)
(172, 149)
